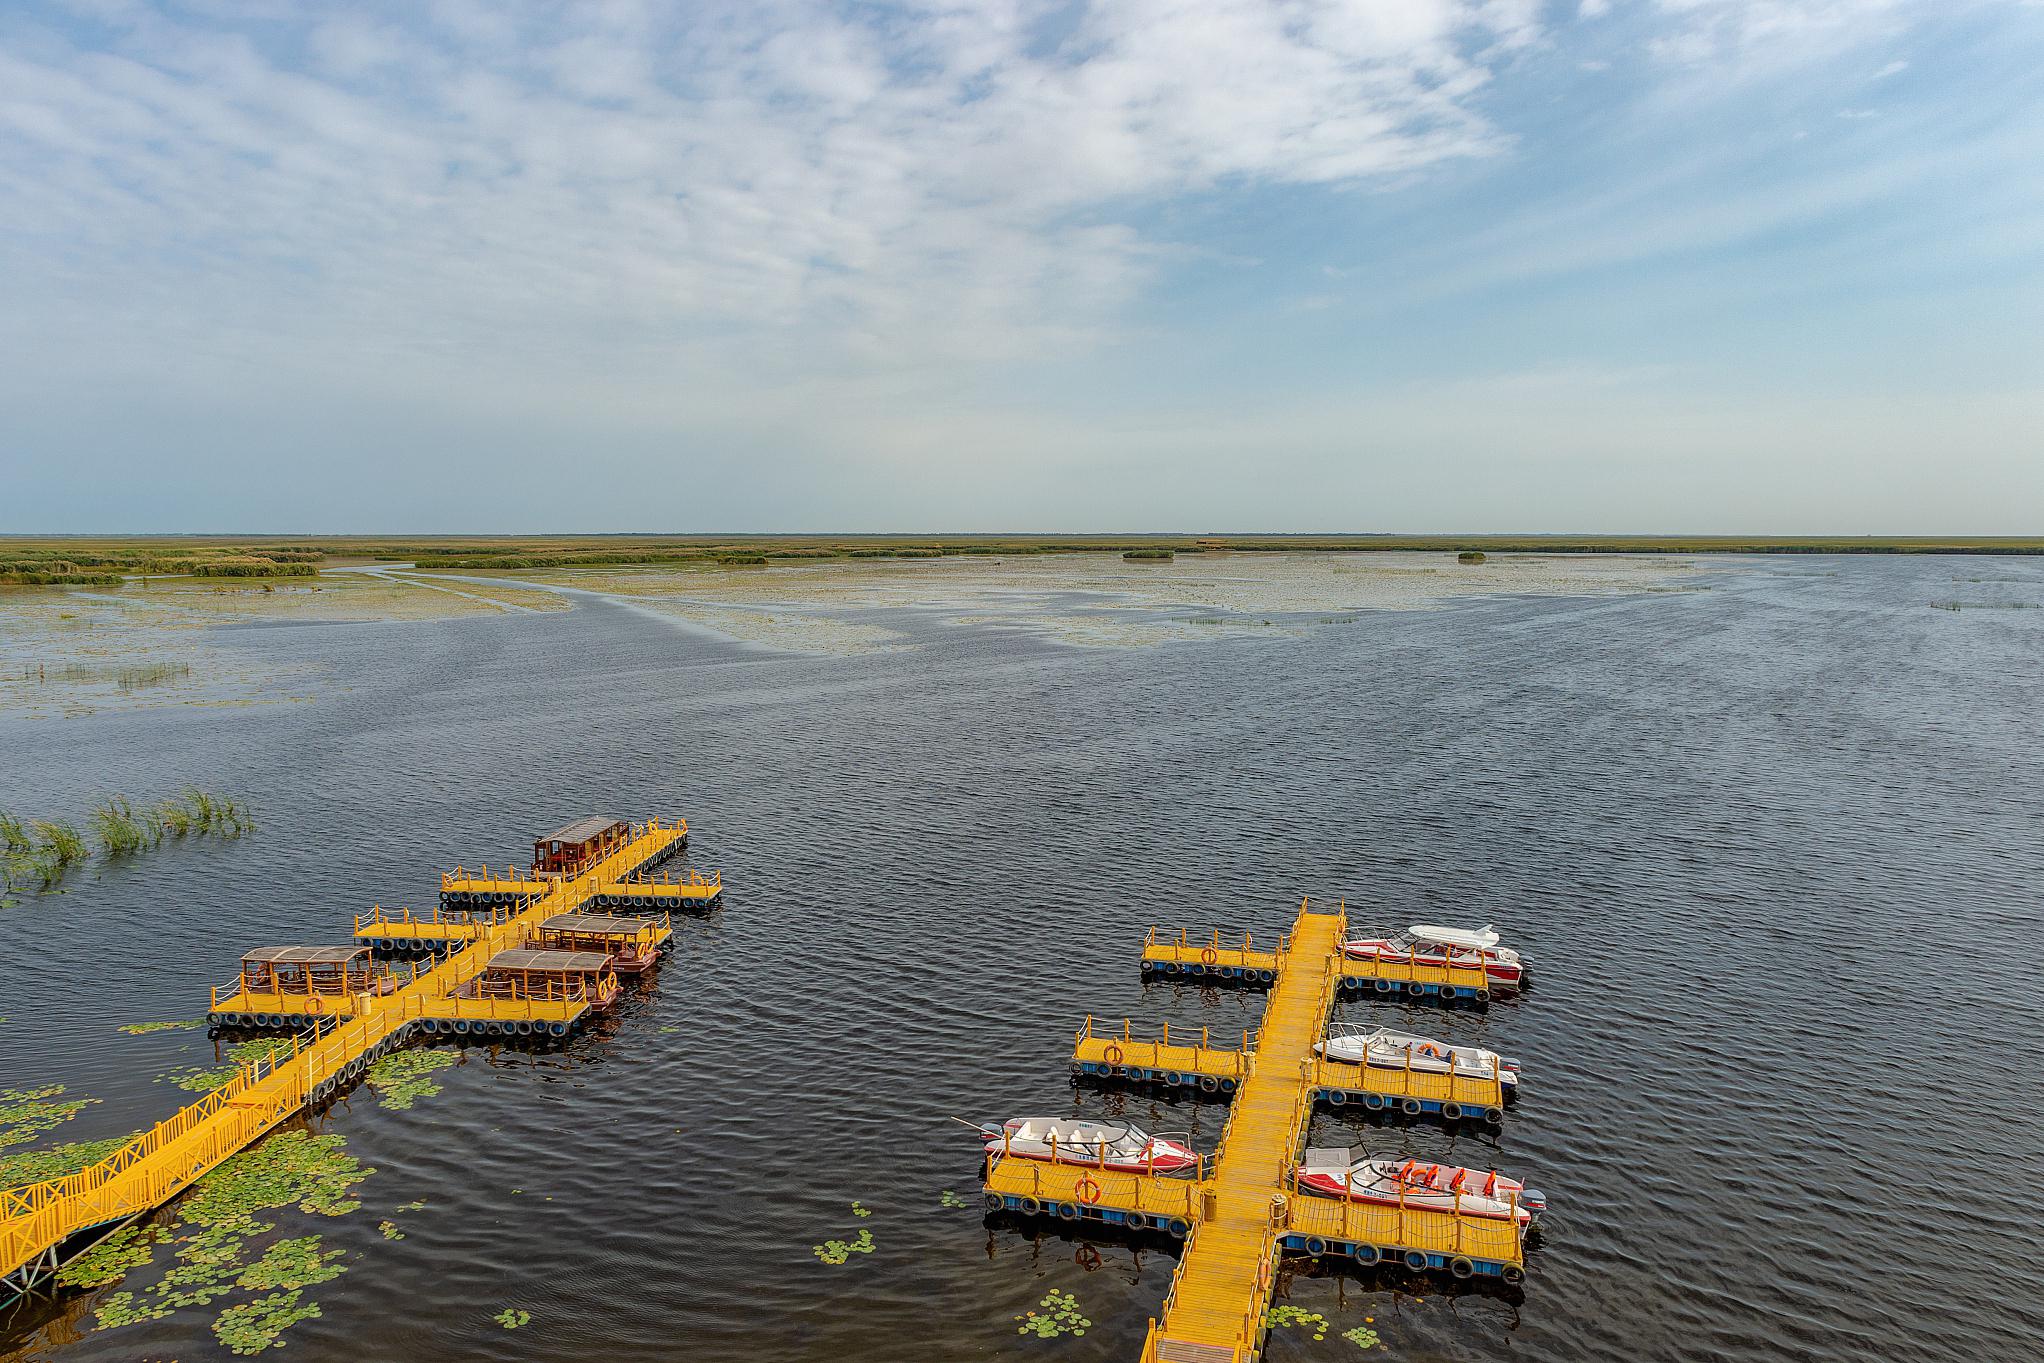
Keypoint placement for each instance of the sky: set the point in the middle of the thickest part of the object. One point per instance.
(1628, 266)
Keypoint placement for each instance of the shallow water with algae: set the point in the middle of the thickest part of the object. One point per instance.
(1773, 844)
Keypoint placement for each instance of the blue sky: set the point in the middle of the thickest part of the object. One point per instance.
(1761, 266)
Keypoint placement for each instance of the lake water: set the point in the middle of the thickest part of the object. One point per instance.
(1774, 847)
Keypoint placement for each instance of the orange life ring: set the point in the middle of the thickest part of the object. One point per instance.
(1112, 1053)
(312, 1004)
(1087, 1191)
(1207, 956)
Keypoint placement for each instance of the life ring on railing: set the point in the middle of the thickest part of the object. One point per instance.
(1207, 955)
(1111, 1054)
(1087, 1191)
(312, 1005)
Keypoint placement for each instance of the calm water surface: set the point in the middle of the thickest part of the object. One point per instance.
(1776, 848)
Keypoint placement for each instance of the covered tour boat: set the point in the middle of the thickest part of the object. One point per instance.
(1419, 1184)
(1426, 944)
(1074, 1140)
(1386, 1049)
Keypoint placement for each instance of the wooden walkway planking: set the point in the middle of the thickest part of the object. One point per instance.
(35, 1220)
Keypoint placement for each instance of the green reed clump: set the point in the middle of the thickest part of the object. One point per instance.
(1470, 556)
(1143, 554)
(120, 831)
(201, 812)
(14, 834)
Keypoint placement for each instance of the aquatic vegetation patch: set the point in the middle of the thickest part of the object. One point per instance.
(241, 1053)
(56, 1161)
(109, 1261)
(839, 1251)
(36, 854)
(298, 1262)
(1057, 1314)
(511, 1318)
(311, 1171)
(1363, 1337)
(27, 1113)
(145, 1028)
(253, 1326)
(951, 1200)
(120, 831)
(403, 1077)
(390, 1230)
(858, 1210)
(1281, 1316)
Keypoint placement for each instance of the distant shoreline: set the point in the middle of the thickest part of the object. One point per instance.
(245, 555)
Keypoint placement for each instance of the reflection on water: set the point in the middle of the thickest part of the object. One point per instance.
(1760, 840)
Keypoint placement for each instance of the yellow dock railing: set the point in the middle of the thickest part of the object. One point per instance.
(170, 1156)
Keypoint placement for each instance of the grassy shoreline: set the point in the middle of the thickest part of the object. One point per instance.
(79, 560)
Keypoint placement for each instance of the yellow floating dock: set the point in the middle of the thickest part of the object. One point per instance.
(44, 1224)
(1244, 1211)
(1214, 959)
(413, 930)
(1198, 1061)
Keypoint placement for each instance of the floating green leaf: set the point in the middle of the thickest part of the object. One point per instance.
(56, 1161)
(27, 1113)
(1058, 1314)
(145, 1028)
(1281, 1316)
(401, 1078)
(1363, 1337)
(951, 1199)
(838, 1251)
(390, 1230)
(511, 1318)
(291, 1264)
(107, 1262)
(253, 1326)
(202, 1080)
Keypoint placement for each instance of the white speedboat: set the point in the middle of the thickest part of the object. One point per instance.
(1420, 1185)
(1102, 1145)
(1387, 1049)
(1426, 944)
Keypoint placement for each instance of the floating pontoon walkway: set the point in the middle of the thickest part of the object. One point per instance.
(1241, 1210)
(1210, 958)
(1199, 1061)
(42, 1224)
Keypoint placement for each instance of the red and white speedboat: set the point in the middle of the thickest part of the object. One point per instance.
(1101, 1145)
(1420, 1185)
(1386, 1049)
(1426, 944)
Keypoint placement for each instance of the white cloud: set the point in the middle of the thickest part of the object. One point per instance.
(951, 180)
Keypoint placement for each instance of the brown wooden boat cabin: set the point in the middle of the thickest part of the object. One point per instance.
(573, 848)
(632, 944)
(327, 971)
(526, 973)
